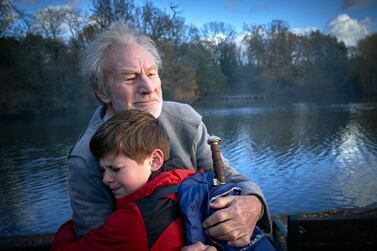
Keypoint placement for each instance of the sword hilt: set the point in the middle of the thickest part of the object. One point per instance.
(218, 164)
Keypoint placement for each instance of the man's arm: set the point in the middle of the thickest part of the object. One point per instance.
(250, 188)
(235, 219)
(91, 202)
(233, 211)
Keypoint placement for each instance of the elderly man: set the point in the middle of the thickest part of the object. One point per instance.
(122, 67)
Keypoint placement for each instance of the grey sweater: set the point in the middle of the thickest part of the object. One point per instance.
(92, 201)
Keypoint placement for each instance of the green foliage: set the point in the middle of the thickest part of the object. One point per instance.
(314, 64)
(38, 76)
(367, 64)
(209, 77)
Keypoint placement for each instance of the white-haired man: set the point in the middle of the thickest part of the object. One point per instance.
(122, 66)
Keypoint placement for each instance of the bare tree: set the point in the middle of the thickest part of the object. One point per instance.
(255, 42)
(216, 36)
(158, 23)
(7, 15)
(25, 23)
(218, 32)
(50, 21)
(124, 11)
(102, 13)
(75, 21)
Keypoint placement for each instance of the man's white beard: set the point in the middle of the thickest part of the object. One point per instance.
(155, 110)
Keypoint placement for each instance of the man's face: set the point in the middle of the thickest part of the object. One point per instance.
(132, 80)
(123, 175)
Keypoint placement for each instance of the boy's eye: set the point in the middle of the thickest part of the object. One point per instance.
(115, 169)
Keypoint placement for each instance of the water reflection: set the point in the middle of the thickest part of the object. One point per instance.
(33, 173)
(306, 157)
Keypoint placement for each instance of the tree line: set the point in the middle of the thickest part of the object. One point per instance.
(40, 52)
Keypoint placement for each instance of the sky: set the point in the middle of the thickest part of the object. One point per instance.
(349, 20)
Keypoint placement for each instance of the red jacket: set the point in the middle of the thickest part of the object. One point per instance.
(132, 226)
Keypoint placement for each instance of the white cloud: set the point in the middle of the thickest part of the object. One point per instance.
(348, 30)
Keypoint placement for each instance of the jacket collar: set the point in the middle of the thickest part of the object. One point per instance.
(162, 179)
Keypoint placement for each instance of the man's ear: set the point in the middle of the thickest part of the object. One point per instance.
(157, 160)
(101, 94)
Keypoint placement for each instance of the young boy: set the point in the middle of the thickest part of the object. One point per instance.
(131, 148)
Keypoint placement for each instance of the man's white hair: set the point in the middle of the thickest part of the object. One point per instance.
(92, 62)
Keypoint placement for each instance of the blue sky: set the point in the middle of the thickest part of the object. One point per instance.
(349, 20)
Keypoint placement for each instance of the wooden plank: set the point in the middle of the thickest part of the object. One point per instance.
(27, 242)
(336, 246)
(278, 225)
(332, 233)
(352, 229)
(338, 229)
(279, 234)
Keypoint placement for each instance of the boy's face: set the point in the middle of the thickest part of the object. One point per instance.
(123, 175)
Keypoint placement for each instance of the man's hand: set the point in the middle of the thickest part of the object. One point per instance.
(198, 246)
(235, 219)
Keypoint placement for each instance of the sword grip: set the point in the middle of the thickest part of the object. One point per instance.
(218, 164)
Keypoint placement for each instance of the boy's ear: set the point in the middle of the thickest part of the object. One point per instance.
(157, 160)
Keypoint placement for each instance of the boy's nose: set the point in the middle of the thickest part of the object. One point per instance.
(107, 177)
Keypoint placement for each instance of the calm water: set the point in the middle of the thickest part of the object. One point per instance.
(305, 157)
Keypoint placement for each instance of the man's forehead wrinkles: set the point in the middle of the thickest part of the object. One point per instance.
(128, 70)
(133, 70)
(152, 67)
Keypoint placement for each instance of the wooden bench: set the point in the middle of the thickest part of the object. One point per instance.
(354, 232)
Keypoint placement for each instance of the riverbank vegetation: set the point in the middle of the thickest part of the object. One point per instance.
(40, 73)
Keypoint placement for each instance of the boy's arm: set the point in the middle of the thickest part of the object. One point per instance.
(198, 246)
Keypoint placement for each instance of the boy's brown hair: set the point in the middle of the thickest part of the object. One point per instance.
(134, 133)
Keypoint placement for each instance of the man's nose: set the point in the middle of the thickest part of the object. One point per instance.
(146, 85)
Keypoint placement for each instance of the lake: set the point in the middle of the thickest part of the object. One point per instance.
(304, 156)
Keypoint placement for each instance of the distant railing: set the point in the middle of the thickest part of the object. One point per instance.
(248, 97)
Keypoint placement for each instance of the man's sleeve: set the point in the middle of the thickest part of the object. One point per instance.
(91, 202)
(204, 160)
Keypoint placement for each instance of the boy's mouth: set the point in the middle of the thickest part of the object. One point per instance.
(114, 190)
